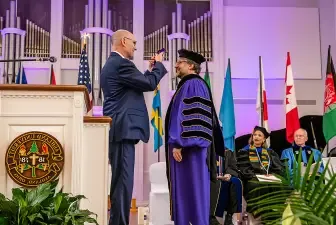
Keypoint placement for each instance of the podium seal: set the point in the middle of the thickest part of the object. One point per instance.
(34, 158)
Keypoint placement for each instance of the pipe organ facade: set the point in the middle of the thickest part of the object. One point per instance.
(12, 45)
(37, 41)
(96, 20)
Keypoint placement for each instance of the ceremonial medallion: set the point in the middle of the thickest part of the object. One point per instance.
(34, 158)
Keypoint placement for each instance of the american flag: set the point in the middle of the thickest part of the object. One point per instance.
(84, 74)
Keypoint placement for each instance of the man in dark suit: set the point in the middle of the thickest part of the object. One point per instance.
(123, 86)
(226, 194)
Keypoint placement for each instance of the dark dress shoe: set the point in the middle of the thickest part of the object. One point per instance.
(214, 221)
(228, 219)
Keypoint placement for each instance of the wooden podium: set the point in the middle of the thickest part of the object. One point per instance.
(59, 111)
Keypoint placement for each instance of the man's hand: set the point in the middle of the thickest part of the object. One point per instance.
(226, 177)
(159, 57)
(151, 63)
(177, 154)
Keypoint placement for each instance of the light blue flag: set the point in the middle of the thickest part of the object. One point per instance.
(226, 113)
(156, 119)
(24, 78)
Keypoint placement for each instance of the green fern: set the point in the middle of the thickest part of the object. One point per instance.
(43, 206)
(311, 197)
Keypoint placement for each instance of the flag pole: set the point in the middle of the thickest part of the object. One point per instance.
(159, 134)
(313, 132)
(158, 151)
(261, 95)
(50, 72)
(21, 71)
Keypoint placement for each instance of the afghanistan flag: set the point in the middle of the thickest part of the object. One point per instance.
(206, 75)
(329, 117)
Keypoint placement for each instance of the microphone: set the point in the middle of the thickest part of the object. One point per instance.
(51, 59)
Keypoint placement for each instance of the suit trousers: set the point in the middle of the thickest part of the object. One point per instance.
(121, 156)
(226, 196)
(230, 197)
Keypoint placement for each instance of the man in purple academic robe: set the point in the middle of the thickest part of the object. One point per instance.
(193, 137)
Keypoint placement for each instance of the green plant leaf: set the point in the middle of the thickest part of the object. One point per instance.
(57, 202)
(329, 191)
(19, 197)
(306, 175)
(39, 194)
(42, 223)
(2, 197)
(33, 217)
(8, 208)
(81, 216)
(43, 205)
(311, 196)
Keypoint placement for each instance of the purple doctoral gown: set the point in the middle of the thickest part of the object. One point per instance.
(190, 128)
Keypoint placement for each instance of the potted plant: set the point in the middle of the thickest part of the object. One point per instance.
(43, 205)
(306, 197)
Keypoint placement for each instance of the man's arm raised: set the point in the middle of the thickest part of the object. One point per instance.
(130, 76)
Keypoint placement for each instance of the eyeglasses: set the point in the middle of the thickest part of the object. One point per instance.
(181, 61)
(134, 42)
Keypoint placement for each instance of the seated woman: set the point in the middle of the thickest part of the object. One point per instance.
(226, 194)
(255, 159)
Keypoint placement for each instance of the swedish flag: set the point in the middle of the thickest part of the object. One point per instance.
(156, 119)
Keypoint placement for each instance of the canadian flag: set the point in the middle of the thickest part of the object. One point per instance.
(262, 101)
(292, 115)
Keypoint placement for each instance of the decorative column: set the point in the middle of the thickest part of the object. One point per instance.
(173, 38)
(13, 44)
(19, 35)
(77, 144)
(217, 7)
(138, 31)
(56, 34)
(177, 39)
(98, 26)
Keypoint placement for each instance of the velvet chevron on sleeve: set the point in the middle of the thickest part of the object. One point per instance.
(191, 121)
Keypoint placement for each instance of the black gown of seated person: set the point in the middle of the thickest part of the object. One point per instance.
(249, 165)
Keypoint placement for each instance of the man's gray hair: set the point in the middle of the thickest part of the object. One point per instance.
(304, 130)
(197, 67)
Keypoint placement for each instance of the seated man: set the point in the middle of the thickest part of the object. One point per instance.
(291, 155)
(226, 194)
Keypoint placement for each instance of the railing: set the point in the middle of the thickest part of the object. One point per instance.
(70, 48)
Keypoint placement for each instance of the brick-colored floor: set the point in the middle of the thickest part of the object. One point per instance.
(134, 218)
